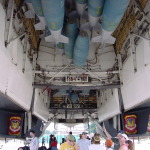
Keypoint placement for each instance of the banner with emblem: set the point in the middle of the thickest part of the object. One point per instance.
(14, 125)
(148, 127)
(130, 124)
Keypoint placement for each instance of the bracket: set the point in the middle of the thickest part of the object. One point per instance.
(133, 52)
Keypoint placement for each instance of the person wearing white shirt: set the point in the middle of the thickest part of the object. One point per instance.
(83, 142)
(34, 145)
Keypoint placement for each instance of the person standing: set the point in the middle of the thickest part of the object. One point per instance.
(96, 143)
(34, 145)
(115, 140)
(70, 132)
(54, 144)
(43, 141)
(109, 144)
(63, 140)
(50, 140)
(69, 144)
(84, 143)
(122, 140)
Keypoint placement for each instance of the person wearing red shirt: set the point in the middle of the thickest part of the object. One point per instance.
(54, 144)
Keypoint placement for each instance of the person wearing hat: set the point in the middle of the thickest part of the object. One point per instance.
(69, 144)
(34, 145)
(83, 142)
(108, 144)
(122, 140)
(96, 143)
(115, 140)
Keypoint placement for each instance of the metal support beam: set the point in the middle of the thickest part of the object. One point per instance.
(118, 122)
(66, 86)
(115, 122)
(102, 98)
(96, 73)
(65, 113)
(25, 123)
(54, 77)
(58, 73)
(29, 119)
(120, 68)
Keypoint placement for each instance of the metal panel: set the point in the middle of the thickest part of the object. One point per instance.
(40, 109)
(108, 104)
(4, 60)
(128, 70)
(13, 82)
(135, 89)
(19, 86)
(4, 67)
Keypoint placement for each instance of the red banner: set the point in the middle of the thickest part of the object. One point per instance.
(148, 127)
(130, 124)
(14, 125)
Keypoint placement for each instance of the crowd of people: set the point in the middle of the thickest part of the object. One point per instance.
(121, 142)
